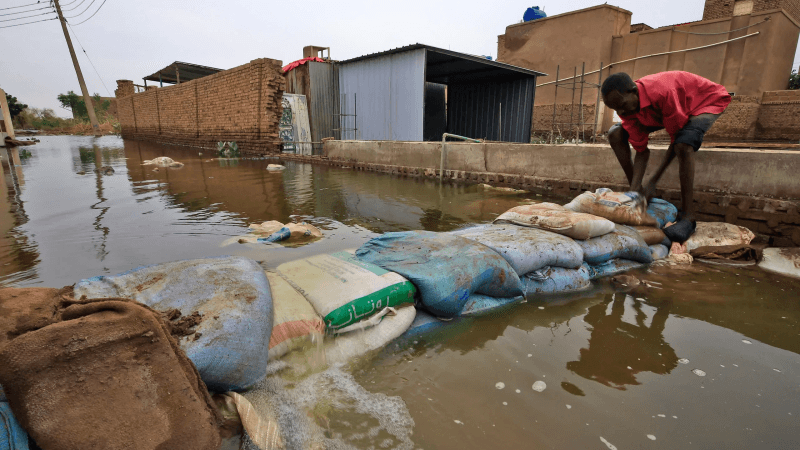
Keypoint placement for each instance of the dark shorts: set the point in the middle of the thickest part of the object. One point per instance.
(691, 134)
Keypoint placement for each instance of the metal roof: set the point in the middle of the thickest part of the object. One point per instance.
(187, 72)
(446, 66)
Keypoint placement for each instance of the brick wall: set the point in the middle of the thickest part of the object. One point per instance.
(242, 104)
(718, 9)
(738, 122)
(779, 116)
(543, 120)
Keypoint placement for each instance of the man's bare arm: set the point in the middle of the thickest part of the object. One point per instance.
(639, 167)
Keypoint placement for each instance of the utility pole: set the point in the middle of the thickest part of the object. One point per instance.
(86, 98)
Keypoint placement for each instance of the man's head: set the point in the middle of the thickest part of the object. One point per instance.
(621, 94)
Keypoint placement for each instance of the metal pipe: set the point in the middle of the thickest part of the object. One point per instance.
(583, 127)
(444, 142)
(555, 102)
(597, 104)
(572, 106)
(500, 123)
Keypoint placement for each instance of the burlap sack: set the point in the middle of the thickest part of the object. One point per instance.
(100, 374)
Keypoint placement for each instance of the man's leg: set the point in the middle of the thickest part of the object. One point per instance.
(649, 189)
(618, 138)
(685, 154)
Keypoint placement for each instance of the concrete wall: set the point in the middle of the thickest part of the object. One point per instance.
(242, 104)
(755, 188)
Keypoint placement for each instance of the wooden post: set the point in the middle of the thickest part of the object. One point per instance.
(6, 115)
(86, 98)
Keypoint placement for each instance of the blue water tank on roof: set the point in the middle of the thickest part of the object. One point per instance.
(533, 13)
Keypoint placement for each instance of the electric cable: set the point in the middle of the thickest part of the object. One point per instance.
(27, 17)
(98, 10)
(87, 57)
(28, 23)
(82, 12)
(721, 32)
(23, 12)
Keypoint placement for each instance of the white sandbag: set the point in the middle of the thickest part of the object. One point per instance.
(162, 161)
(555, 218)
(618, 207)
(344, 290)
(527, 249)
(715, 234)
(295, 323)
(346, 347)
(785, 261)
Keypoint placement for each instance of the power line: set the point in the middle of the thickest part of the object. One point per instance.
(32, 4)
(23, 12)
(87, 55)
(27, 17)
(98, 10)
(27, 23)
(87, 8)
(74, 7)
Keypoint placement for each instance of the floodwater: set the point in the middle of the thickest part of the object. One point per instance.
(706, 358)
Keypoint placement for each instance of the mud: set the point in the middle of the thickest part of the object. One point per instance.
(181, 326)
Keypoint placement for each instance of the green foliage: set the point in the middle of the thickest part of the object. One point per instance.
(77, 105)
(14, 106)
(42, 119)
(794, 80)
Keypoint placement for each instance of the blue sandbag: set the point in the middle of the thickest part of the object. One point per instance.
(481, 305)
(525, 248)
(280, 235)
(613, 267)
(623, 242)
(557, 280)
(12, 436)
(446, 269)
(424, 322)
(663, 211)
(659, 251)
(231, 293)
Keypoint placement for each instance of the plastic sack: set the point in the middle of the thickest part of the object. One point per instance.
(624, 242)
(293, 231)
(651, 235)
(345, 347)
(663, 211)
(785, 261)
(556, 280)
(446, 269)
(715, 234)
(622, 208)
(294, 322)
(659, 251)
(527, 249)
(231, 293)
(481, 305)
(613, 267)
(555, 218)
(12, 436)
(98, 376)
(425, 322)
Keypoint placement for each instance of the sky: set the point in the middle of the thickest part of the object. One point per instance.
(129, 39)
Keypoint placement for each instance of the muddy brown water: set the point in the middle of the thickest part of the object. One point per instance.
(707, 358)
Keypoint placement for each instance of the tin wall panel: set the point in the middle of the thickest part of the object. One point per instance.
(323, 100)
(496, 111)
(387, 94)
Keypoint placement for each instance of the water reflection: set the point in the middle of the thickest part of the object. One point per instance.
(622, 346)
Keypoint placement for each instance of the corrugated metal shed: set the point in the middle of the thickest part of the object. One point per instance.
(323, 100)
(419, 92)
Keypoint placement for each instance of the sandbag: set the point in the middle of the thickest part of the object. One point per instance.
(623, 242)
(663, 211)
(613, 267)
(785, 261)
(716, 234)
(231, 294)
(294, 321)
(425, 322)
(481, 305)
(557, 280)
(745, 254)
(12, 436)
(659, 251)
(618, 207)
(346, 347)
(294, 232)
(557, 219)
(651, 235)
(527, 249)
(344, 290)
(446, 269)
(106, 374)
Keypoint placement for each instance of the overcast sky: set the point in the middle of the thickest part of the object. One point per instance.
(130, 39)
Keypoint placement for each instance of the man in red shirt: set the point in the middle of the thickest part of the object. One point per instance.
(684, 104)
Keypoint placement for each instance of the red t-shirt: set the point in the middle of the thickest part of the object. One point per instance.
(667, 99)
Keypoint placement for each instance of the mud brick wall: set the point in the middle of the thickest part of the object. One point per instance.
(242, 104)
(738, 122)
(779, 117)
(717, 9)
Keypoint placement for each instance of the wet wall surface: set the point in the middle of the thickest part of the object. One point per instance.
(706, 358)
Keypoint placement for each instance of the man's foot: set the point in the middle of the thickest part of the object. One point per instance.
(681, 230)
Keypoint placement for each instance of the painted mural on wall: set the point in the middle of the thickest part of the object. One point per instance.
(294, 128)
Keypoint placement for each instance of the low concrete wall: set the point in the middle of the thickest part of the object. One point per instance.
(755, 188)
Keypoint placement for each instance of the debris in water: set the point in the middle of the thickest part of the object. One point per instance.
(500, 385)
(683, 361)
(541, 307)
(505, 403)
(698, 372)
(458, 422)
(539, 386)
(608, 444)
(569, 406)
(746, 341)
(776, 370)
(651, 437)
(518, 391)
(661, 415)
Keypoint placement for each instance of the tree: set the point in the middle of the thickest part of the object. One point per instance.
(14, 106)
(794, 80)
(77, 105)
